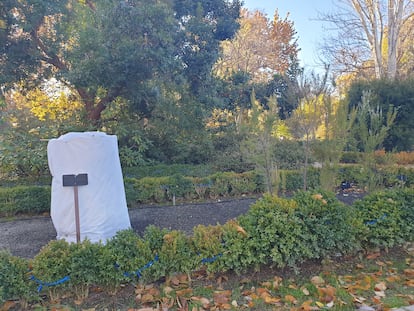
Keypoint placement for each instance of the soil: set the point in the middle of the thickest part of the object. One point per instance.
(25, 236)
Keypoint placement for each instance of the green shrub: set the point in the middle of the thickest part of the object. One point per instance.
(176, 254)
(352, 173)
(221, 186)
(207, 241)
(24, 199)
(244, 183)
(238, 254)
(351, 157)
(162, 170)
(131, 254)
(289, 155)
(406, 199)
(154, 236)
(331, 226)
(148, 190)
(275, 233)
(293, 180)
(179, 186)
(202, 187)
(84, 270)
(14, 279)
(383, 218)
(53, 265)
(408, 174)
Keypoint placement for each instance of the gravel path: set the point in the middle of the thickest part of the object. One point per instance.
(25, 237)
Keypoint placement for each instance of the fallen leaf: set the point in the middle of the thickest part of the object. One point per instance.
(225, 306)
(262, 291)
(380, 263)
(267, 284)
(186, 292)
(410, 283)
(327, 294)
(380, 287)
(373, 255)
(409, 272)
(291, 299)
(221, 297)
(272, 300)
(358, 299)
(393, 278)
(317, 281)
(147, 298)
(306, 306)
(305, 291)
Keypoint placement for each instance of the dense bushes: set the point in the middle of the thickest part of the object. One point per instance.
(146, 190)
(24, 199)
(276, 231)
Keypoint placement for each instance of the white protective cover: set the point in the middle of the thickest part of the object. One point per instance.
(102, 204)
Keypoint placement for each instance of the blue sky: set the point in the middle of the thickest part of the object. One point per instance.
(303, 14)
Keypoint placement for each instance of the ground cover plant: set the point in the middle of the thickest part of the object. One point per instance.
(283, 253)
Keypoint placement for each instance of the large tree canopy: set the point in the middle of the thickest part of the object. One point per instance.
(261, 47)
(109, 48)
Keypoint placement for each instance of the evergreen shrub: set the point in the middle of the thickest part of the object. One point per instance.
(331, 226)
(14, 279)
(276, 234)
(24, 199)
(382, 215)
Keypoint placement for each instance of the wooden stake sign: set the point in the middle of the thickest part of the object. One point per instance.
(75, 181)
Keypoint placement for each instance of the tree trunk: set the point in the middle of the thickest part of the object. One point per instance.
(395, 10)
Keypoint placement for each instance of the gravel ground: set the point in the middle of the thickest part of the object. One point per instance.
(25, 237)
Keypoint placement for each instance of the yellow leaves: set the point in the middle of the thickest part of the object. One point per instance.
(51, 106)
(317, 196)
(239, 229)
(3, 24)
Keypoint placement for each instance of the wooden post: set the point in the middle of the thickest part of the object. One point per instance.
(75, 181)
(77, 219)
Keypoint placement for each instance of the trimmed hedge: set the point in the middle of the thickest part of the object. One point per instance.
(24, 199)
(283, 232)
(147, 190)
